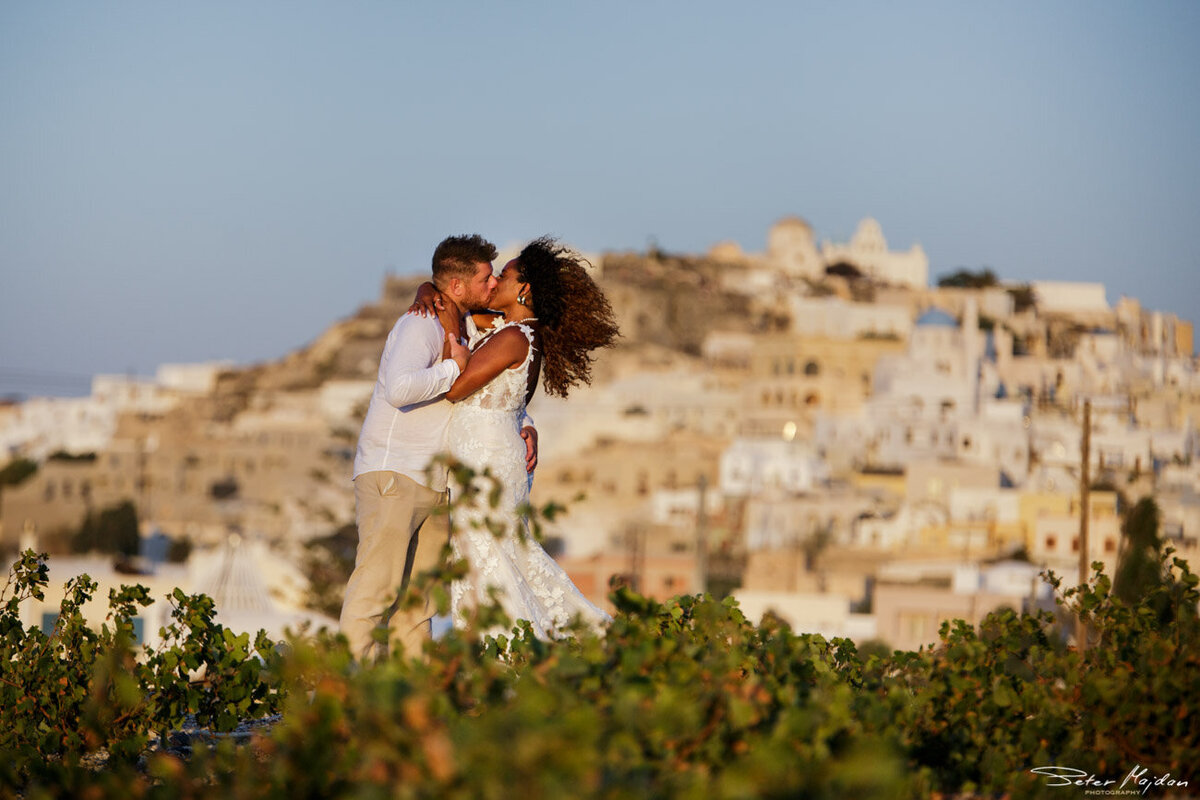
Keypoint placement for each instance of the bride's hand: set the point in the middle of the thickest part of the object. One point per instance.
(458, 352)
(530, 434)
(428, 301)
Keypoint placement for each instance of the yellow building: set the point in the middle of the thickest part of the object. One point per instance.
(790, 377)
(1051, 524)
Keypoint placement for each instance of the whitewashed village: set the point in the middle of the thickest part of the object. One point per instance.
(813, 429)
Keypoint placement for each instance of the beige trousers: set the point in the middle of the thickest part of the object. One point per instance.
(392, 512)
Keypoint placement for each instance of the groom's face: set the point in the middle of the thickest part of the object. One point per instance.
(481, 288)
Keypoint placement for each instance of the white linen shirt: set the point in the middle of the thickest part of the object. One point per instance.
(405, 426)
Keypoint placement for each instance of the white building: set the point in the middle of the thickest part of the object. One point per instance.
(248, 583)
(835, 318)
(1116, 443)
(940, 399)
(828, 615)
(868, 251)
(44, 425)
(792, 250)
(783, 523)
(681, 506)
(984, 504)
(41, 426)
(753, 466)
(938, 376)
(1070, 297)
(899, 530)
(728, 349)
(913, 599)
(191, 378)
(641, 407)
(1179, 508)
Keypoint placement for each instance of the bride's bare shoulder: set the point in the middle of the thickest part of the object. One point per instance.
(486, 320)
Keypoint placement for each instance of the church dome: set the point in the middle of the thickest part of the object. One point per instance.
(728, 251)
(869, 236)
(793, 222)
(936, 318)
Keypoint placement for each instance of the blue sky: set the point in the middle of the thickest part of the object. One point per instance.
(222, 180)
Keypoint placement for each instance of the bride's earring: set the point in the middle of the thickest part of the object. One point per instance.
(521, 299)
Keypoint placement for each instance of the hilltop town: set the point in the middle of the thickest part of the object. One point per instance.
(812, 428)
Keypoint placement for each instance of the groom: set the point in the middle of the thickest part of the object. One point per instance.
(396, 485)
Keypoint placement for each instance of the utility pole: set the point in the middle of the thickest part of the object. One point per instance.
(1084, 490)
(701, 536)
(634, 543)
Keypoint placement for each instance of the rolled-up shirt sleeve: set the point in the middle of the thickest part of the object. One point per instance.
(412, 369)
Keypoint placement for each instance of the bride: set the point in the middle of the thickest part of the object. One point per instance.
(552, 315)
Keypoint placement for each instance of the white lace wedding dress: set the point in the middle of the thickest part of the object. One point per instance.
(485, 433)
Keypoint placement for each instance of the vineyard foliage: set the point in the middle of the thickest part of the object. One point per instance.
(684, 699)
(77, 690)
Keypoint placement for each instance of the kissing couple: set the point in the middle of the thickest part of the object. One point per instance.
(456, 374)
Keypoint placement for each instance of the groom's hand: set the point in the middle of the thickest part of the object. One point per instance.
(458, 352)
(530, 436)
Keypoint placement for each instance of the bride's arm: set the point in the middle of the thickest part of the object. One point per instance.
(503, 350)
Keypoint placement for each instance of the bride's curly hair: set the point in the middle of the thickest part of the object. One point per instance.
(575, 316)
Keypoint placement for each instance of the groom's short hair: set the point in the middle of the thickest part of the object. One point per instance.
(457, 256)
